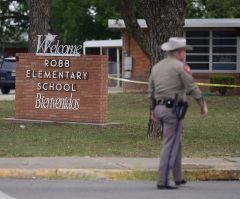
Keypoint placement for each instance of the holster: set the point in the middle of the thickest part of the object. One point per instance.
(182, 109)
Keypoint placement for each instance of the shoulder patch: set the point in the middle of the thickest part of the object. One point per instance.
(187, 68)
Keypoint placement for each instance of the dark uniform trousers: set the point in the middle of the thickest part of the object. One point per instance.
(171, 155)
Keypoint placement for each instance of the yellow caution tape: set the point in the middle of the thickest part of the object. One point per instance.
(200, 84)
(127, 80)
(223, 85)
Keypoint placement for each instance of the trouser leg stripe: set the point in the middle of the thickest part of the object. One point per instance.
(169, 157)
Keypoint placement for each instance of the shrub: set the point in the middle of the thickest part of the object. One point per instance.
(222, 79)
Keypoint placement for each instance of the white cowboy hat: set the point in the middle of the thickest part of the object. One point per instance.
(176, 43)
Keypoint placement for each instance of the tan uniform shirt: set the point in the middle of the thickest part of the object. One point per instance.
(169, 77)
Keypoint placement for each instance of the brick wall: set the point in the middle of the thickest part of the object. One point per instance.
(80, 95)
(141, 64)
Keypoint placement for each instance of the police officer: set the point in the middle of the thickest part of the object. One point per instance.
(169, 78)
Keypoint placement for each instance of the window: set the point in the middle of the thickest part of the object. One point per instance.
(224, 54)
(212, 50)
(9, 64)
(198, 59)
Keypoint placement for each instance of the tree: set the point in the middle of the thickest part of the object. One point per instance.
(77, 21)
(20, 16)
(213, 9)
(14, 20)
(195, 9)
(222, 9)
(164, 19)
(39, 13)
(73, 20)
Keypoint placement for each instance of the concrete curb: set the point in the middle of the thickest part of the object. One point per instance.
(113, 174)
(214, 174)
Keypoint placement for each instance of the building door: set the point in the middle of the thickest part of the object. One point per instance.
(114, 66)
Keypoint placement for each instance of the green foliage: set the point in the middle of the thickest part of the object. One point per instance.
(221, 79)
(194, 9)
(212, 9)
(77, 21)
(137, 10)
(223, 9)
(14, 20)
(73, 20)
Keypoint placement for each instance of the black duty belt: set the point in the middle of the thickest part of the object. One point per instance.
(168, 102)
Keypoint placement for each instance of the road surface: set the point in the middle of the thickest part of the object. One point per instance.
(81, 189)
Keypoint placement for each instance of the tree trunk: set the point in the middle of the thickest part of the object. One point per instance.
(164, 18)
(155, 130)
(39, 12)
(168, 22)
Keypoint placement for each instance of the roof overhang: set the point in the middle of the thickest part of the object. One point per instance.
(119, 23)
(189, 23)
(103, 43)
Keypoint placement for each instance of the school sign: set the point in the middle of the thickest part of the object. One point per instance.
(59, 84)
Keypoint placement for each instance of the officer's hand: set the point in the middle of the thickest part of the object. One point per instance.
(204, 110)
(153, 116)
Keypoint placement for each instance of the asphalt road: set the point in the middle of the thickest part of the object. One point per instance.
(80, 189)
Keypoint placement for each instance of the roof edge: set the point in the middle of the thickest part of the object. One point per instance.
(189, 23)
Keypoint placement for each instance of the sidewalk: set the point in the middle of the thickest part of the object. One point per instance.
(110, 168)
(10, 96)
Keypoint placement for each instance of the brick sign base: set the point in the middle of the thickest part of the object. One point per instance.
(69, 89)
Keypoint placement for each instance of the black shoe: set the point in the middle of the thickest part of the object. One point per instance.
(181, 182)
(166, 187)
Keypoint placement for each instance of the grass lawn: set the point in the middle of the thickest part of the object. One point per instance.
(216, 135)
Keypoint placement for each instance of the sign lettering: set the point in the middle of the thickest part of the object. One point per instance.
(56, 103)
(46, 45)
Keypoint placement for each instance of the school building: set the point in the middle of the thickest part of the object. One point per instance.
(216, 44)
